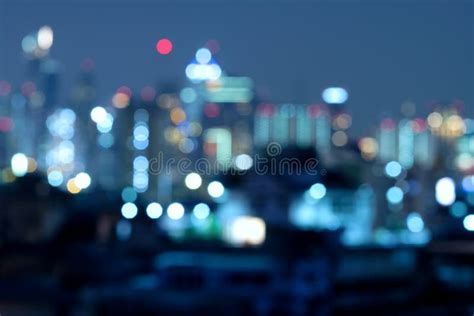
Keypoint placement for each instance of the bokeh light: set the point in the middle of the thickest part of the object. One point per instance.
(164, 46)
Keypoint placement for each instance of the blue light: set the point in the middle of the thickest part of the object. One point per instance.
(140, 181)
(468, 184)
(140, 163)
(129, 194)
(203, 56)
(393, 169)
(141, 133)
(55, 178)
(140, 144)
(317, 191)
(394, 195)
(415, 223)
(106, 140)
(124, 229)
(458, 209)
(105, 125)
(201, 211)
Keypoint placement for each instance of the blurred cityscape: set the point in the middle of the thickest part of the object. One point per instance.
(200, 195)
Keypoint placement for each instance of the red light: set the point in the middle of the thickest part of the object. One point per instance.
(6, 124)
(266, 109)
(212, 110)
(164, 46)
(213, 46)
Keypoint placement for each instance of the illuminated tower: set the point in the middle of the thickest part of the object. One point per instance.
(387, 140)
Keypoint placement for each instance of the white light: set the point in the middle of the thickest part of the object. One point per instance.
(203, 56)
(247, 230)
(243, 162)
(154, 210)
(317, 191)
(214, 72)
(45, 37)
(65, 152)
(468, 222)
(175, 211)
(201, 211)
(55, 178)
(106, 125)
(129, 210)
(200, 72)
(98, 114)
(193, 181)
(335, 95)
(215, 189)
(190, 71)
(19, 164)
(393, 169)
(415, 223)
(394, 195)
(82, 180)
(445, 191)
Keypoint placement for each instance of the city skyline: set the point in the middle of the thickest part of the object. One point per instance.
(335, 52)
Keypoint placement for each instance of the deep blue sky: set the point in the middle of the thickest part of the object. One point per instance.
(384, 52)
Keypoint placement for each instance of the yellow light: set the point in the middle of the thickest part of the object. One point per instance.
(172, 135)
(7, 175)
(435, 120)
(342, 121)
(167, 101)
(177, 115)
(32, 165)
(196, 129)
(120, 100)
(72, 187)
(455, 125)
(339, 139)
(368, 147)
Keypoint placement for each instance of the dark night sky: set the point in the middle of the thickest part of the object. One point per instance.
(384, 52)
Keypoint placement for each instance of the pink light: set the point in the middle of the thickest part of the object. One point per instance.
(164, 46)
(5, 88)
(125, 90)
(148, 93)
(212, 110)
(28, 88)
(387, 124)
